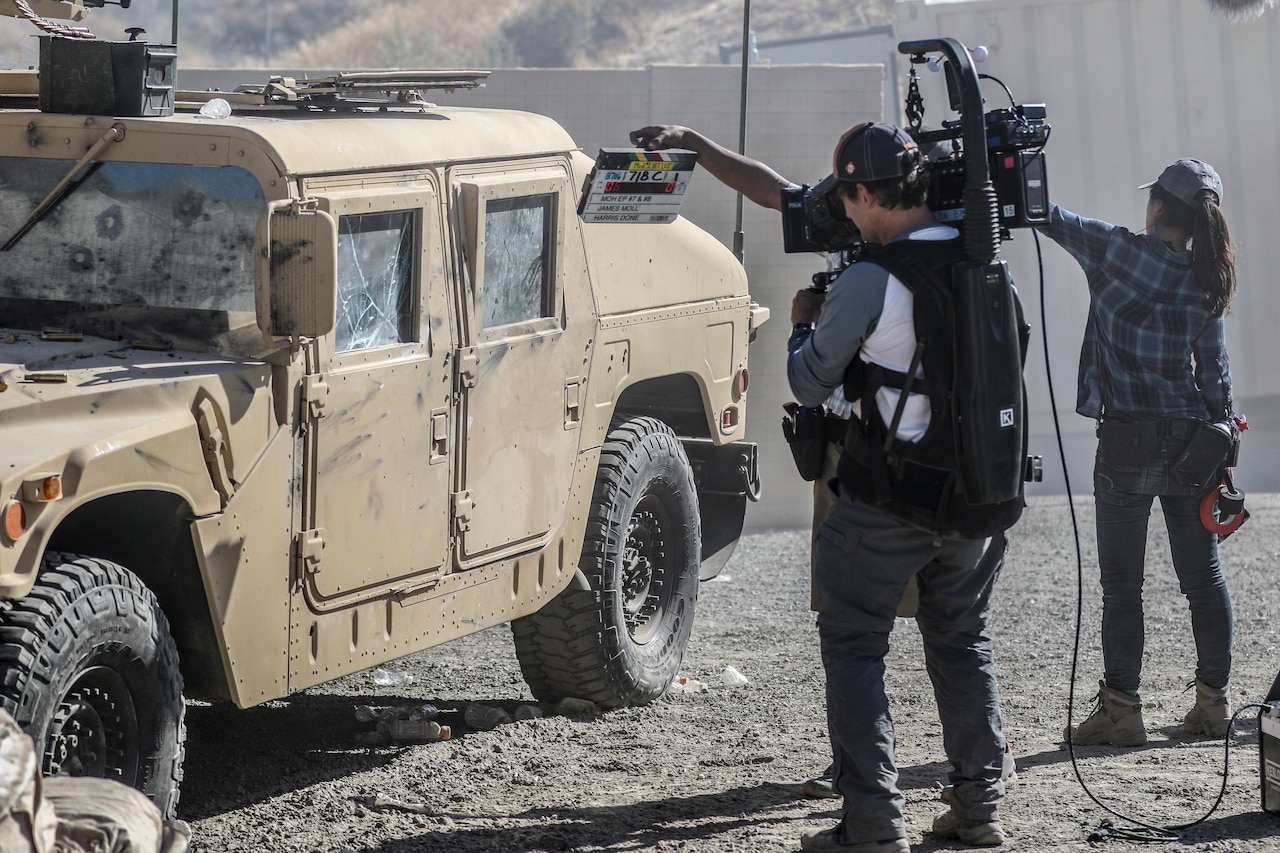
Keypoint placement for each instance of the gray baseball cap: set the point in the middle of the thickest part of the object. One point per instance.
(872, 151)
(1185, 178)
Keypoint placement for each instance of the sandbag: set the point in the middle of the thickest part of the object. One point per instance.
(66, 814)
(102, 815)
(27, 822)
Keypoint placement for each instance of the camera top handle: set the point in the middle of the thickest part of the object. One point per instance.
(981, 209)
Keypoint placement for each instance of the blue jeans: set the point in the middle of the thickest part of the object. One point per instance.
(1123, 492)
(863, 561)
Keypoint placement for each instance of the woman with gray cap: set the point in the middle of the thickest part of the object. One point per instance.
(1153, 372)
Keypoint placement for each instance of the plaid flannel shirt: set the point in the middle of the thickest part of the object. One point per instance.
(1151, 346)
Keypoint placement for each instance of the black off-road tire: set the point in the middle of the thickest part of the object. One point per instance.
(621, 642)
(89, 669)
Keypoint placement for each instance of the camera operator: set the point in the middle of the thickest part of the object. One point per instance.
(1154, 374)
(763, 186)
(865, 557)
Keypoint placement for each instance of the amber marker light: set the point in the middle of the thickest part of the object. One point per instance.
(43, 489)
(15, 521)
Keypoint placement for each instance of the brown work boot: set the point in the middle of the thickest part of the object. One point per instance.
(1116, 721)
(826, 841)
(974, 833)
(821, 787)
(1211, 716)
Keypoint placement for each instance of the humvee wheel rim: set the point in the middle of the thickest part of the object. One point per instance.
(95, 729)
(645, 563)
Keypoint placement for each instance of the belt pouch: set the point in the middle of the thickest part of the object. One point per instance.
(1204, 455)
(1128, 445)
(806, 434)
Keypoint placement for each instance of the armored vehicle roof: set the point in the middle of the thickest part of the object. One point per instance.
(323, 126)
(314, 142)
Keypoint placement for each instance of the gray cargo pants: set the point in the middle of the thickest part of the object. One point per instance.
(863, 562)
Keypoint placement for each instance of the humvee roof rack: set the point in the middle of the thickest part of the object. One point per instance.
(352, 90)
(349, 90)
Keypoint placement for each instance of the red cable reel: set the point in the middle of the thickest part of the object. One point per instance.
(1222, 509)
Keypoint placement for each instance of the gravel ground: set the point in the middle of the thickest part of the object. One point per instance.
(721, 770)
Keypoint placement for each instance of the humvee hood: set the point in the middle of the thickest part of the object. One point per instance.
(97, 397)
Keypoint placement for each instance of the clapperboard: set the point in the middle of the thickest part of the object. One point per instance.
(631, 185)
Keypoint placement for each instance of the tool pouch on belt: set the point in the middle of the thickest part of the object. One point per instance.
(1128, 445)
(1211, 447)
(806, 434)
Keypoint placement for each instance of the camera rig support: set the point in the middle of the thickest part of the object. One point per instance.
(981, 207)
(987, 392)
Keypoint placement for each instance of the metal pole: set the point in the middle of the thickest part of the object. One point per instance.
(175, 23)
(738, 237)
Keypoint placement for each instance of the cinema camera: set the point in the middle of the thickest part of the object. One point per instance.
(813, 218)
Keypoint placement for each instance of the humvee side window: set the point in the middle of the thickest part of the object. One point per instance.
(375, 280)
(518, 236)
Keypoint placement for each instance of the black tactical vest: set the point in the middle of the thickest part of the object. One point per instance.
(923, 483)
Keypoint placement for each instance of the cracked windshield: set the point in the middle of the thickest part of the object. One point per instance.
(131, 234)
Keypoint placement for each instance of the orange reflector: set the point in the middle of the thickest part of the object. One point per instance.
(43, 489)
(741, 381)
(15, 521)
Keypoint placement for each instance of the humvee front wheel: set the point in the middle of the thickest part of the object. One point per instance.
(89, 670)
(621, 642)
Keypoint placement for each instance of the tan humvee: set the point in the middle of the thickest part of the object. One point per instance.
(293, 393)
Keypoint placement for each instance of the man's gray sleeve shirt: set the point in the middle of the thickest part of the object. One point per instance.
(852, 309)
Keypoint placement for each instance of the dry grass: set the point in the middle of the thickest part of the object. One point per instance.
(479, 33)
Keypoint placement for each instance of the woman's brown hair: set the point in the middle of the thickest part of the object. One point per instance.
(1213, 258)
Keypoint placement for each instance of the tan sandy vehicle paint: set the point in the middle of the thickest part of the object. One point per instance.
(291, 394)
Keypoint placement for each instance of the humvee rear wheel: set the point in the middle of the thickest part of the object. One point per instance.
(89, 670)
(621, 642)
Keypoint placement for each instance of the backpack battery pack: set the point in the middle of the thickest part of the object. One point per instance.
(988, 384)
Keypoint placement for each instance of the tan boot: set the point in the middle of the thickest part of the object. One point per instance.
(1211, 715)
(1116, 721)
(971, 832)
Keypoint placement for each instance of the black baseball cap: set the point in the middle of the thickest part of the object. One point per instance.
(1185, 178)
(872, 151)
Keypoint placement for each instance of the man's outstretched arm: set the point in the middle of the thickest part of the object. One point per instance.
(753, 179)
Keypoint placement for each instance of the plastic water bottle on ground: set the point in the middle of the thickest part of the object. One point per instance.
(366, 714)
(418, 731)
(528, 712)
(483, 718)
(387, 678)
(423, 712)
(732, 678)
(684, 684)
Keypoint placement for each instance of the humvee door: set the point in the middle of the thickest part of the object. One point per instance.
(380, 434)
(527, 318)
